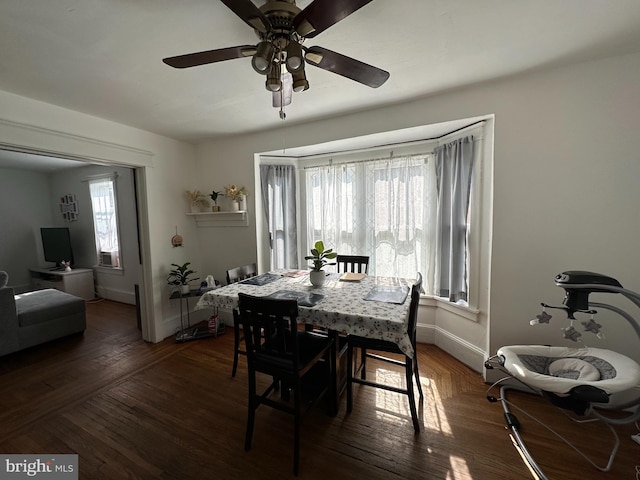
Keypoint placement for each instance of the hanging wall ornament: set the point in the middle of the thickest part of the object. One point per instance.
(176, 240)
(69, 207)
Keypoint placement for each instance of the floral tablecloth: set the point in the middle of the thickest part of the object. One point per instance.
(343, 307)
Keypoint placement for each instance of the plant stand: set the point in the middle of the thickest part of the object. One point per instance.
(188, 332)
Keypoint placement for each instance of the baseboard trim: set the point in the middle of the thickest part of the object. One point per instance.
(116, 295)
(469, 354)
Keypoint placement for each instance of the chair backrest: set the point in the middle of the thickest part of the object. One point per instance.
(270, 330)
(353, 263)
(416, 289)
(241, 273)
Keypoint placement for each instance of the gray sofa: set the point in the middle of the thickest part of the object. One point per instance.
(37, 317)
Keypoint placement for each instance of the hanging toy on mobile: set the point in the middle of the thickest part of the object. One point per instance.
(578, 285)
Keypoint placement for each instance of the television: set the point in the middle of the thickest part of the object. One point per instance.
(56, 243)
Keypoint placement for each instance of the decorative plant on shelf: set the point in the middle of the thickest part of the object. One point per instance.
(234, 192)
(181, 276)
(197, 200)
(320, 258)
(214, 196)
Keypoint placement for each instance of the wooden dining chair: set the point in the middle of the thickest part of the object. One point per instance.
(410, 364)
(294, 359)
(352, 263)
(233, 276)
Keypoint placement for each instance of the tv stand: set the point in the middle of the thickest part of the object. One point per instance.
(78, 282)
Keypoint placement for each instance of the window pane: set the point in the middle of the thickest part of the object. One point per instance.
(379, 208)
(105, 221)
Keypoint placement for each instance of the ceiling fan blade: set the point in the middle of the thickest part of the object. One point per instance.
(249, 13)
(321, 14)
(210, 56)
(346, 66)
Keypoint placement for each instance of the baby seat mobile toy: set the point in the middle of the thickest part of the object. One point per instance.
(586, 381)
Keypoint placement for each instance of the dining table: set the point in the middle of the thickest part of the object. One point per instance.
(369, 306)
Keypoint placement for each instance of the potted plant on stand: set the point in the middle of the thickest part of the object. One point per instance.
(181, 276)
(320, 258)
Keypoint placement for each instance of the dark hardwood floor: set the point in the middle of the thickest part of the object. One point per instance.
(133, 410)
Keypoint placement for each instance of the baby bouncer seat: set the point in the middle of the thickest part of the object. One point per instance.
(589, 382)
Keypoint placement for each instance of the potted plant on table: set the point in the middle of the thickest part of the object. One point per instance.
(320, 258)
(181, 276)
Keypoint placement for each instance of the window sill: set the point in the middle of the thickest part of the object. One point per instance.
(463, 311)
(109, 270)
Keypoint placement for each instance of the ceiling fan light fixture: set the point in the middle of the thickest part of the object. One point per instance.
(300, 82)
(284, 96)
(295, 62)
(274, 82)
(262, 59)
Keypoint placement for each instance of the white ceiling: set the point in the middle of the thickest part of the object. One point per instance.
(104, 57)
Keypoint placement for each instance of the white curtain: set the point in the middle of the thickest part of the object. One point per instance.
(384, 208)
(278, 184)
(454, 167)
(105, 220)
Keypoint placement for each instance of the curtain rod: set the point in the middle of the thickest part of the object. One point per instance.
(385, 145)
(379, 159)
(100, 176)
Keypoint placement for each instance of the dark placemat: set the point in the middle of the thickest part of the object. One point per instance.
(304, 299)
(262, 279)
(388, 293)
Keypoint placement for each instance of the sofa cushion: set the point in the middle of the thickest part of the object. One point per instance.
(44, 305)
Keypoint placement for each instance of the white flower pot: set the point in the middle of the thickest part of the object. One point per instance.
(317, 278)
(184, 289)
(234, 206)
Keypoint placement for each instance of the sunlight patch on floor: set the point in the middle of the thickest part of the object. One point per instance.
(459, 469)
(395, 406)
(434, 411)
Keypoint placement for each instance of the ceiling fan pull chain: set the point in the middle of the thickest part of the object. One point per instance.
(281, 113)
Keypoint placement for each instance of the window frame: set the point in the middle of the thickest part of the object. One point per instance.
(112, 177)
(416, 148)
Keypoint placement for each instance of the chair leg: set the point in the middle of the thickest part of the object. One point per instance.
(416, 373)
(332, 375)
(236, 344)
(410, 394)
(349, 378)
(251, 412)
(296, 427)
(363, 363)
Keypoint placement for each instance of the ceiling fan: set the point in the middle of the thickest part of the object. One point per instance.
(282, 28)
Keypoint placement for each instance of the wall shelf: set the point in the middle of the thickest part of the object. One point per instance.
(221, 219)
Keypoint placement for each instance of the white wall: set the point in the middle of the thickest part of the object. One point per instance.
(565, 197)
(25, 198)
